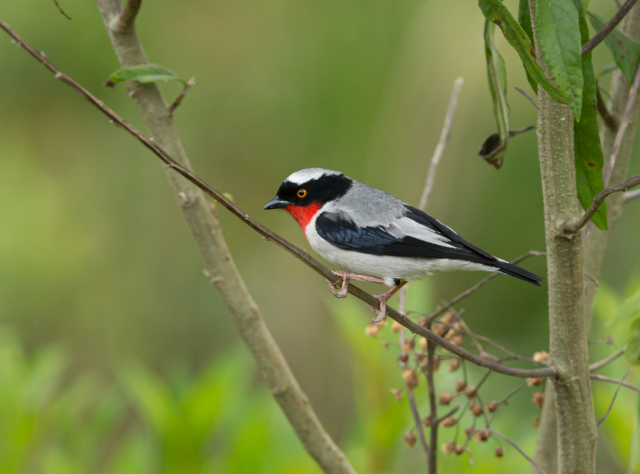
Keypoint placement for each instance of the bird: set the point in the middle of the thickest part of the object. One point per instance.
(376, 237)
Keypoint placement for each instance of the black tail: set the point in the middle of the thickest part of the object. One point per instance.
(517, 272)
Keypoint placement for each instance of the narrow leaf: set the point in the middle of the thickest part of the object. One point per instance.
(589, 158)
(558, 33)
(496, 12)
(497, 75)
(606, 70)
(625, 51)
(524, 19)
(143, 73)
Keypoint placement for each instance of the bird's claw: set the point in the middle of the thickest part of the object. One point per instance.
(338, 294)
(380, 313)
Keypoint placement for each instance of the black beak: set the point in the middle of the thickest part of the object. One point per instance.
(276, 203)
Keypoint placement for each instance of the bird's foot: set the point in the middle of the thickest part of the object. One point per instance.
(382, 312)
(346, 276)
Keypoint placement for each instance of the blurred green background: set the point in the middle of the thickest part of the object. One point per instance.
(117, 355)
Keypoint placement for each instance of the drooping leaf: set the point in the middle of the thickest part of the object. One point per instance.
(143, 73)
(589, 158)
(524, 19)
(558, 33)
(626, 52)
(492, 142)
(497, 75)
(497, 13)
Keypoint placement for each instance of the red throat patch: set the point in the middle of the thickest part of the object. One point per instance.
(303, 214)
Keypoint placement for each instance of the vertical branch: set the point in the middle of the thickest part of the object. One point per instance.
(442, 143)
(567, 338)
(204, 225)
(433, 408)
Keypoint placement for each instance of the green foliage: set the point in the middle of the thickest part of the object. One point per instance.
(144, 73)
(497, 75)
(626, 52)
(524, 19)
(586, 139)
(558, 33)
(633, 347)
(497, 13)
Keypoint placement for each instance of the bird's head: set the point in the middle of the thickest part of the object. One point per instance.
(304, 192)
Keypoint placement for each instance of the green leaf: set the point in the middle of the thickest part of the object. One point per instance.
(524, 19)
(626, 52)
(143, 73)
(497, 75)
(589, 158)
(632, 353)
(627, 310)
(496, 12)
(558, 32)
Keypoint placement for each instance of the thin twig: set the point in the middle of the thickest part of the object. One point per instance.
(481, 283)
(613, 399)
(571, 227)
(298, 253)
(448, 414)
(527, 96)
(432, 457)
(624, 123)
(192, 82)
(610, 119)
(127, 18)
(598, 365)
(606, 340)
(618, 3)
(602, 378)
(512, 443)
(61, 10)
(418, 421)
(631, 196)
(609, 27)
(442, 143)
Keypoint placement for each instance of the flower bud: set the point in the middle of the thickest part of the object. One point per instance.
(448, 317)
(436, 363)
(460, 386)
(408, 345)
(535, 381)
(410, 439)
(459, 449)
(457, 340)
(449, 447)
(403, 358)
(469, 431)
(422, 322)
(448, 422)
(372, 330)
(538, 399)
(483, 435)
(408, 374)
(470, 391)
(438, 329)
(396, 327)
(541, 356)
(423, 342)
(476, 409)
(454, 365)
(445, 398)
(536, 423)
(397, 394)
(492, 406)
(419, 356)
(427, 422)
(499, 452)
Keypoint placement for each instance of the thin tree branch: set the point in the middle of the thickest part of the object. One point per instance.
(571, 227)
(602, 378)
(192, 82)
(298, 253)
(631, 196)
(61, 10)
(527, 96)
(418, 421)
(127, 18)
(610, 120)
(448, 414)
(624, 123)
(613, 400)
(609, 27)
(512, 443)
(442, 143)
(598, 365)
(432, 458)
(481, 283)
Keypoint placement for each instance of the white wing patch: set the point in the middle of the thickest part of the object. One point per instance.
(404, 227)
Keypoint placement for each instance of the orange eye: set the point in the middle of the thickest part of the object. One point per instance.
(302, 193)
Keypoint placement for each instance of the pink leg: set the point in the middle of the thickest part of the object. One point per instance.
(382, 313)
(345, 282)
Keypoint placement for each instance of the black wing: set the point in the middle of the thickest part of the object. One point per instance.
(339, 230)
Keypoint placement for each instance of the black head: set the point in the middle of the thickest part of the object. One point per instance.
(309, 186)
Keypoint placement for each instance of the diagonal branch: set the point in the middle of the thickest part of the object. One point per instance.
(571, 227)
(512, 443)
(609, 27)
(127, 18)
(300, 254)
(613, 400)
(598, 365)
(602, 378)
